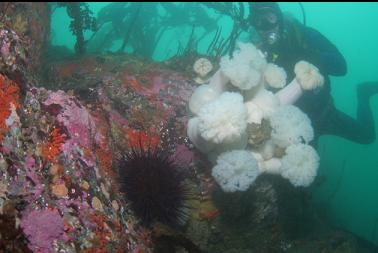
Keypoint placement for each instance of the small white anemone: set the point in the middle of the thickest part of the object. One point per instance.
(202, 67)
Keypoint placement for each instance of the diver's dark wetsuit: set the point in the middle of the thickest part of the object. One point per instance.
(304, 43)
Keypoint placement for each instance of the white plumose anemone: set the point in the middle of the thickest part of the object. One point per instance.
(236, 170)
(201, 96)
(244, 68)
(290, 126)
(300, 164)
(223, 120)
(308, 75)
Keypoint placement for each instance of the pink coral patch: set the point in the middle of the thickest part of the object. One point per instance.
(42, 227)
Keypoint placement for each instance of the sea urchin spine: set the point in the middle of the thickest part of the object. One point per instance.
(154, 186)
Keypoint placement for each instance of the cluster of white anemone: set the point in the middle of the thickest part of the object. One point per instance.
(237, 97)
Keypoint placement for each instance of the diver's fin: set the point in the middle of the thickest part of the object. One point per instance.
(367, 89)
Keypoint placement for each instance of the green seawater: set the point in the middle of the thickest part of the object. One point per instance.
(347, 193)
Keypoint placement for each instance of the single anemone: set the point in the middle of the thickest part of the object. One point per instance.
(154, 186)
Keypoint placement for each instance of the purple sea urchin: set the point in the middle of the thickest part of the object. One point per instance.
(154, 186)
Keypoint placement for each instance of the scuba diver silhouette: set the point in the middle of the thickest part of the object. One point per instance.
(285, 42)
